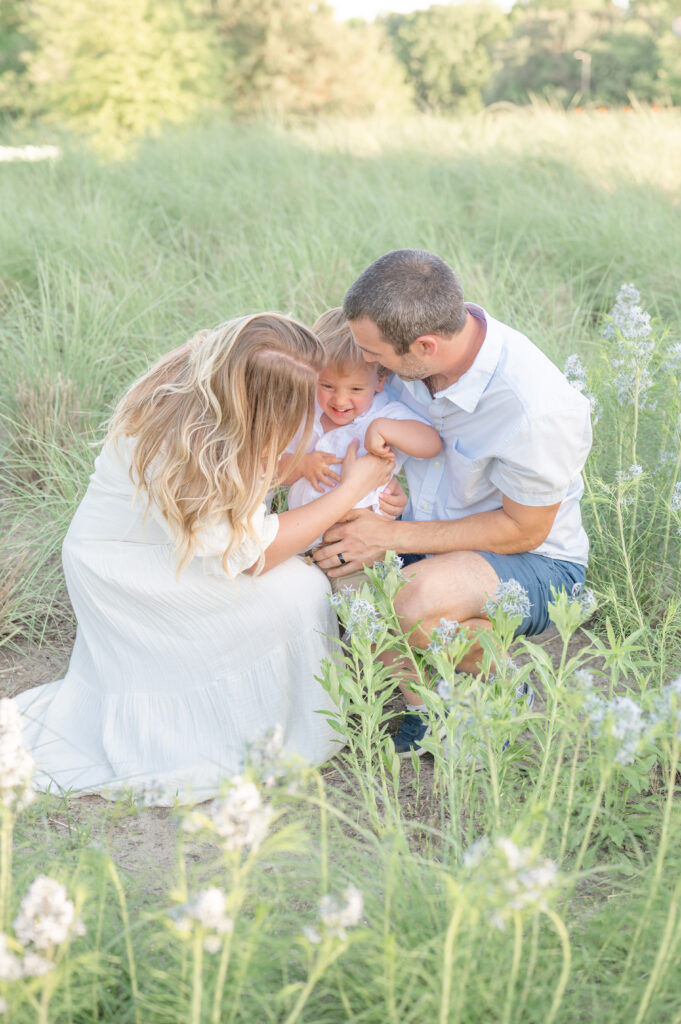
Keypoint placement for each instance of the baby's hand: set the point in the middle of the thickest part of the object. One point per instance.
(375, 443)
(316, 468)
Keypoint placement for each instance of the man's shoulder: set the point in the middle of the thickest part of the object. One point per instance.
(527, 373)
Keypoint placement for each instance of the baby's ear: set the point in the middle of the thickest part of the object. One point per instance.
(381, 378)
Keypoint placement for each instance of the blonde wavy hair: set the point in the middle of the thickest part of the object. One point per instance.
(211, 419)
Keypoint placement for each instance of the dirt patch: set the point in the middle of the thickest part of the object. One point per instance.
(22, 669)
(143, 841)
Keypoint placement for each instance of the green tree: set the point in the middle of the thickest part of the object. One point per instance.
(116, 69)
(290, 56)
(623, 54)
(447, 52)
(12, 45)
(539, 56)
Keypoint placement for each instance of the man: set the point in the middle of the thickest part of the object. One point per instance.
(502, 499)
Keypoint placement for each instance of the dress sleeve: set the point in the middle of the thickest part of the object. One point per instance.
(212, 540)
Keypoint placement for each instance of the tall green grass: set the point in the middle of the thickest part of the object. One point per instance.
(544, 214)
(103, 266)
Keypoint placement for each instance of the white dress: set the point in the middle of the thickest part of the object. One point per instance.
(172, 676)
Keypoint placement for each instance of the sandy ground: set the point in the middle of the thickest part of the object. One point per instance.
(143, 842)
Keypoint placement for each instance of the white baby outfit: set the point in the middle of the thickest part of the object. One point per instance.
(172, 676)
(337, 441)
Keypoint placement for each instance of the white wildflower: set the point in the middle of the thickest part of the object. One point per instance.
(46, 915)
(584, 680)
(442, 635)
(337, 917)
(35, 966)
(517, 878)
(391, 563)
(673, 361)
(623, 476)
(16, 764)
(596, 408)
(676, 498)
(341, 597)
(630, 327)
(510, 598)
(621, 720)
(575, 372)
(10, 965)
(265, 756)
(476, 852)
(241, 818)
(586, 599)
(668, 707)
(577, 376)
(627, 317)
(363, 621)
(207, 909)
(445, 690)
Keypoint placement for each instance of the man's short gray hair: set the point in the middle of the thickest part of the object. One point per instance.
(407, 293)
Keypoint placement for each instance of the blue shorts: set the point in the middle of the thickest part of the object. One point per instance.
(537, 574)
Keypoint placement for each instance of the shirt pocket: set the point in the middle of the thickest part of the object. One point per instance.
(469, 483)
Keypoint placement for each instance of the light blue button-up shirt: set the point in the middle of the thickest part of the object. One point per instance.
(510, 425)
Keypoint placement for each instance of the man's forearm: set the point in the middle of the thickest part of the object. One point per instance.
(485, 531)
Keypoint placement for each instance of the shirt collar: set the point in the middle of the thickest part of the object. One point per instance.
(467, 391)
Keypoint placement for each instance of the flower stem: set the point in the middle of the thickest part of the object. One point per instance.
(6, 832)
(663, 951)
(447, 959)
(197, 976)
(128, 942)
(562, 931)
(605, 775)
(515, 966)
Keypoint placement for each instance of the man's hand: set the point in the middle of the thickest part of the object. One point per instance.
(362, 539)
(392, 500)
(316, 468)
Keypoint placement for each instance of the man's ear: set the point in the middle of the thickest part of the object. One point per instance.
(425, 346)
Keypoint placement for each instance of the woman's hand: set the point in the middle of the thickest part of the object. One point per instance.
(316, 468)
(366, 473)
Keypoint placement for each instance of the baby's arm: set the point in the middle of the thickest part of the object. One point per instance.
(314, 466)
(411, 436)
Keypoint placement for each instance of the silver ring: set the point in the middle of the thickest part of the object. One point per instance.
(341, 559)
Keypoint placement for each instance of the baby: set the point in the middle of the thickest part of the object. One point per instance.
(351, 406)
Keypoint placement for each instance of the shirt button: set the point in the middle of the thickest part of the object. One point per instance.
(437, 464)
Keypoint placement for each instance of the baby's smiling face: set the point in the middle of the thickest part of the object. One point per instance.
(344, 394)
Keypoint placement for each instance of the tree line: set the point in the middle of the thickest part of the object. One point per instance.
(120, 69)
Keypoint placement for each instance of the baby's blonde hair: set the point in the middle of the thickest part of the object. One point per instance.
(341, 351)
(211, 419)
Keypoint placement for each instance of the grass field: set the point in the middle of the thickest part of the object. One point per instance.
(539, 885)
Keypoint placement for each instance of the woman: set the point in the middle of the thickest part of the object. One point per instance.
(197, 629)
